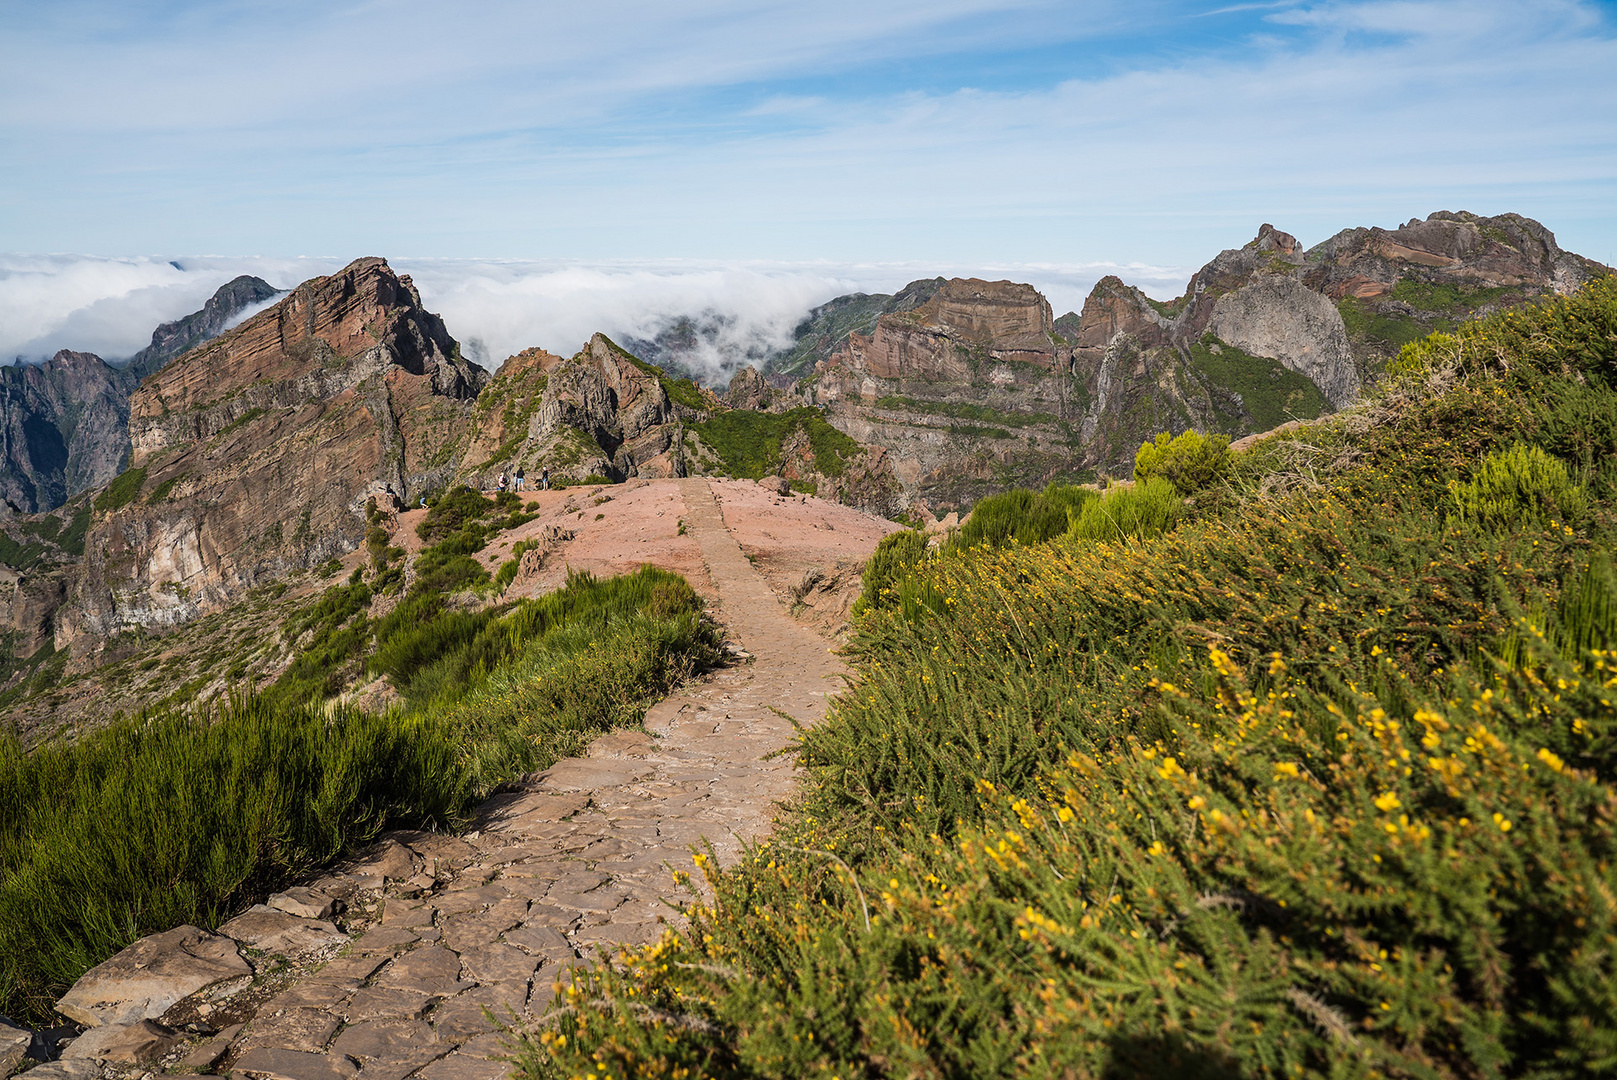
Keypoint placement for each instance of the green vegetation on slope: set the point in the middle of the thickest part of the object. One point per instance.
(749, 443)
(964, 410)
(1318, 783)
(188, 815)
(1270, 394)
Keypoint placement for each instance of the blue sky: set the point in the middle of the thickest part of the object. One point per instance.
(952, 133)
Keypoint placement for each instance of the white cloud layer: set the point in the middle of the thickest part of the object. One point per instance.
(495, 308)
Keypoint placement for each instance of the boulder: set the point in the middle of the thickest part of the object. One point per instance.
(124, 1044)
(275, 931)
(144, 980)
(13, 1046)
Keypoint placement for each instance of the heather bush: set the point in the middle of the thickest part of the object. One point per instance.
(1190, 461)
(1516, 484)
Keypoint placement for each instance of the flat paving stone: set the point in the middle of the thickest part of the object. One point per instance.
(386, 1003)
(293, 1029)
(387, 1039)
(294, 1065)
(465, 1067)
(431, 969)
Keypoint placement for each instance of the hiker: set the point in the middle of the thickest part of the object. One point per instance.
(521, 475)
(500, 487)
(544, 477)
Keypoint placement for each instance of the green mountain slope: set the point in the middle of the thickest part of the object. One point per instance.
(1321, 782)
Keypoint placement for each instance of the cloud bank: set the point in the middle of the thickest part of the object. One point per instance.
(498, 307)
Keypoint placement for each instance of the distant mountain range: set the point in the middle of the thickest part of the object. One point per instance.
(217, 461)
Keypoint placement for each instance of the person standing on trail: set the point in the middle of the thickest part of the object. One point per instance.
(521, 475)
(544, 477)
(500, 486)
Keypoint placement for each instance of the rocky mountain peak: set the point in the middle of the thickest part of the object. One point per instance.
(175, 338)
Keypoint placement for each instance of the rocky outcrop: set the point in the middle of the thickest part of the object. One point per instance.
(64, 424)
(603, 412)
(63, 429)
(972, 387)
(176, 338)
(1278, 316)
(254, 455)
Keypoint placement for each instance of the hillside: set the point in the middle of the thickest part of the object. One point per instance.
(1297, 763)
(969, 398)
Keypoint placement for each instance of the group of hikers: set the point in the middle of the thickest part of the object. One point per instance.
(520, 478)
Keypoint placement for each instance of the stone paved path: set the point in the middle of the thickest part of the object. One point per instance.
(575, 861)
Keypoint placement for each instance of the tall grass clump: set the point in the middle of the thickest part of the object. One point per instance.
(1027, 517)
(1141, 510)
(1317, 783)
(188, 816)
(895, 556)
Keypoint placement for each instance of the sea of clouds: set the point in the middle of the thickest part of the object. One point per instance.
(109, 306)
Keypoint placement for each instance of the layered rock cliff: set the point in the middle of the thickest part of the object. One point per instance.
(64, 423)
(254, 455)
(973, 387)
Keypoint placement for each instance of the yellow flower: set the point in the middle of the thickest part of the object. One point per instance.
(1551, 760)
(1286, 768)
(1197, 803)
(1502, 821)
(1387, 802)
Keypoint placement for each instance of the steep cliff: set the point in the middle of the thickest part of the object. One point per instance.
(254, 455)
(973, 387)
(64, 424)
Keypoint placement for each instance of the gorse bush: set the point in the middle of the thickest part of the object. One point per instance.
(1520, 483)
(895, 556)
(1190, 461)
(1141, 510)
(1316, 784)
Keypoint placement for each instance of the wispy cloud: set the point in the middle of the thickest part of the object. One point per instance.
(966, 130)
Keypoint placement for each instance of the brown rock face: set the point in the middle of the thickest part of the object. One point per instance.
(965, 321)
(260, 449)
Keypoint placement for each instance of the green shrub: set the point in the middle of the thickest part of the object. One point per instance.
(1522, 483)
(1027, 517)
(123, 490)
(895, 556)
(1140, 511)
(1190, 461)
(452, 511)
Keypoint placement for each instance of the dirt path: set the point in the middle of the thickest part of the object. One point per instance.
(579, 859)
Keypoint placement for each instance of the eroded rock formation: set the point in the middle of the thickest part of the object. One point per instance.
(254, 455)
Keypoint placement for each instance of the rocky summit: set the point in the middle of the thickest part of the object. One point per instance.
(253, 456)
(972, 386)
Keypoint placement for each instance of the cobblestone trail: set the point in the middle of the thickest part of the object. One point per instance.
(577, 860)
